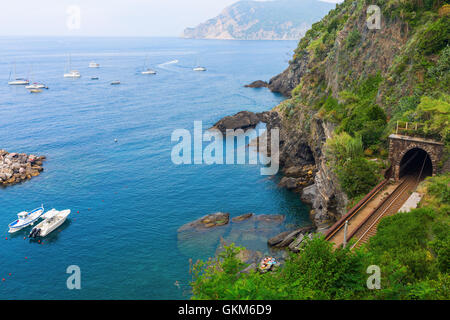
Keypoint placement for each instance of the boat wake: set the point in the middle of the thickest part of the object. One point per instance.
(166, 65)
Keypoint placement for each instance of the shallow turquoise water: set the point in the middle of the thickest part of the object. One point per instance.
(126, 244)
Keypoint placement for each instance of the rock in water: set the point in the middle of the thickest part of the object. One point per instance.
(257, 84)
(241, 120)
(15, 167)
(242, 217)
(209, 221)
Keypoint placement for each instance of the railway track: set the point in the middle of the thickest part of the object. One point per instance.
(390, 206)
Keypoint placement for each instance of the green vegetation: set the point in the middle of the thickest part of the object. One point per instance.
(412, 250)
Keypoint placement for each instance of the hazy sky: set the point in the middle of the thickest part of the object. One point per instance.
(107, 17)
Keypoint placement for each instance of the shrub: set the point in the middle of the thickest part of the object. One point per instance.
(358, 176)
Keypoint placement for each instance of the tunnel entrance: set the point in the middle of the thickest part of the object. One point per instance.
(416, 162)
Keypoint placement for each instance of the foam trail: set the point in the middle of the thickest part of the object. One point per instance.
(166, 64)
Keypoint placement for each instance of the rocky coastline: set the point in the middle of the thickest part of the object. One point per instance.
(302, 160)
(19, 167)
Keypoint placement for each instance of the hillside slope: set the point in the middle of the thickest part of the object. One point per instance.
(258, 20)
(348, 86)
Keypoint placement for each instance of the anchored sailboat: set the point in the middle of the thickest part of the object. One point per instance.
(147, 70)
(72, 73)
(17, 81)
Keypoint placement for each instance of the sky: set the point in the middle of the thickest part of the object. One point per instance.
(106, 17)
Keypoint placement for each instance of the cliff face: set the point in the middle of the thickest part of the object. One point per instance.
(329, 76)
(262, 20)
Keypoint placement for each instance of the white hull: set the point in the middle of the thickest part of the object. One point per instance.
(148, 72)
(36, 86)
(71, 75)
(51, 224)
(94, 65)
(18, 82)
(199, 69)
(25, 219)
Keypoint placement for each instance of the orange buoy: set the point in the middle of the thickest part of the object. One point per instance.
(3, 279)
(9, 274)
(78, 211)
(6, 238)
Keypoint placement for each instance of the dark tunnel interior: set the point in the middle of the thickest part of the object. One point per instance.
(416, 162)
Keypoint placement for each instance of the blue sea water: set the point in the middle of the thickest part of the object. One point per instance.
(131, 198)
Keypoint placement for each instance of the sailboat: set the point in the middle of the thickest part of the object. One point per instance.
(199, 68)
(147, 70)
(17, 81)
(72, 73)
(35, 85)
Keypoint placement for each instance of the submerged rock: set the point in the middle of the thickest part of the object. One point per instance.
(209, 221)
(242, 217)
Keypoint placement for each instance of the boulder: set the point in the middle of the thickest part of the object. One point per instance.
(241, 120)
(289, 183)
(242, 217)
(257, 84)
(295, 245)
(309, 194)
(209, 221)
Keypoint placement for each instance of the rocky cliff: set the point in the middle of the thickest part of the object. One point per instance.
(343, 73)
(262, 20)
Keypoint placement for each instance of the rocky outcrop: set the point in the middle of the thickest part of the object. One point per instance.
(261, 20)
(18, 167)
(206, 222)
(285, 239)
(257, 84)
(242, 217)
(290, 78)
(241, 120)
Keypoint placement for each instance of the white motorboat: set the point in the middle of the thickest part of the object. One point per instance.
(17, 81)
(93, 64)
(52, 220)
(115, 82)
(149, 71)
(199, 69)
(72, 73)
(25, 219)
(36, 85)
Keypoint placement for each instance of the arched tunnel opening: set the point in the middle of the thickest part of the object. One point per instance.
(416, 162)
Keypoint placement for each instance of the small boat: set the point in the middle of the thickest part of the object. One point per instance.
(25, 219)
(72, 73)
(147, 70)
(199, 69)
(94, 65)
(17, 81)
(35, 90)
(94, 78)
(36, 85)
(115, 82)
(52, 220)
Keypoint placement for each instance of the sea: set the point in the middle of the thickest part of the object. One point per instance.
(108, 150)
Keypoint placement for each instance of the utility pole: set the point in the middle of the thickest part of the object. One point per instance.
(345, 234)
